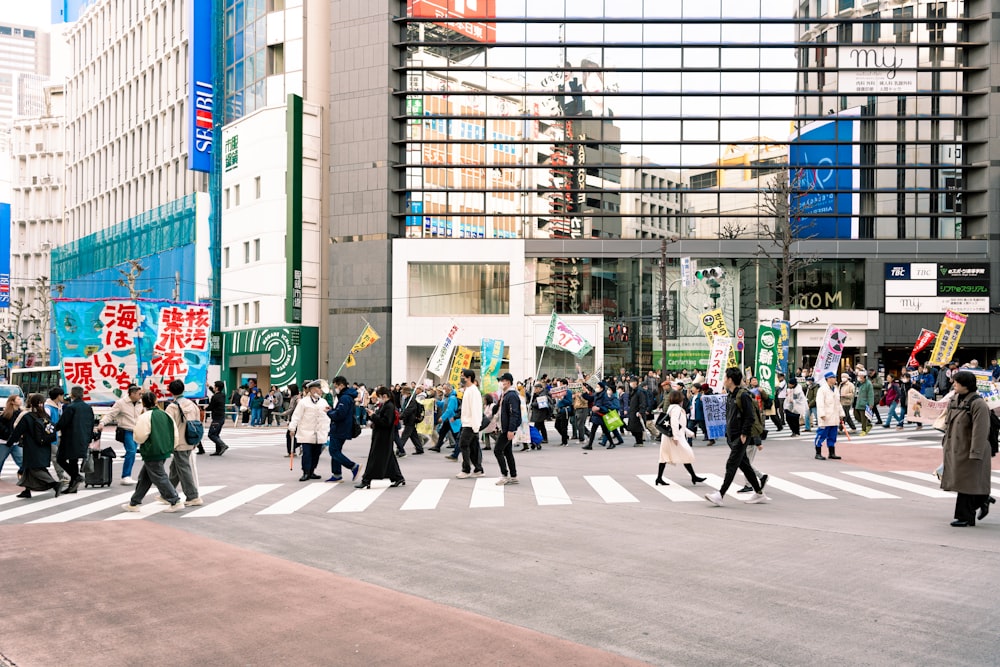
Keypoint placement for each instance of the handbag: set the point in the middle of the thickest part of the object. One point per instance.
(612, 420)
(664, 426)
(88, 464)
(941, 421)
(120, 434)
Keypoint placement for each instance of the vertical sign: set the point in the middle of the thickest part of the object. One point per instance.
(687, 272)
(4, 255)
(830, 352)
(717, 363)
(714, 406)
(783, 328)
(671, 314)
(767, 357)
(947, 339)
(293, 211)
(714, 324)
(201, 123)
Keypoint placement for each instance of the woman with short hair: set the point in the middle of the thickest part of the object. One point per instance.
(675, 449)
(31, 429)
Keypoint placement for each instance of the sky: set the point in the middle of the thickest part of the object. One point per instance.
(32, 12)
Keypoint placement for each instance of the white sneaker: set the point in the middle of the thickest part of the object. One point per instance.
(161, 499)
(757, 499)
(194, 503)
(714, 498)
(128, 481)
(463, 475)
(512, 480)
(502, 481)
(478, 474)
(176, 507)
(130, 508)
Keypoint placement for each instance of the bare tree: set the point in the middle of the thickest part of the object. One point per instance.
(780, 244)
(130, 277)
(43, 311)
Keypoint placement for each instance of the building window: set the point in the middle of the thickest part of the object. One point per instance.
(246, 313)
(459, 289)
(276, 59)
(902, 31)
(871, 29)
(236, 195)
(246, 252)
(256, 312)
(225, 257)
(844, 4)
(226, 193)
(275, 5)
(236, 314)
(225, 316)
(256, 250)
(709, 179)
(256, 185)
(845, 33)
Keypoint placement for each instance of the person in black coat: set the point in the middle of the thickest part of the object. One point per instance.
(382, 462)
(510, 421)
(217, 409)
(76, 426)
(27, 432)
(636, 411)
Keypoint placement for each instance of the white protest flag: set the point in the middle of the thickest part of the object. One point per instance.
(563, 337)
(438, 363)
(717, 363)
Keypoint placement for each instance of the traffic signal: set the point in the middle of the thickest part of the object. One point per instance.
(712, 275)
(624, 333)
(618, 333)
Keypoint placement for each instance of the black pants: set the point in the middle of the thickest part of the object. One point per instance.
(738, 461)
(409, 433)
(213, 433)
(310, 456)
(472, 452)
(847, 417)
(792, 419)
(878, 415)
(562, 425)
(540, 425)
(505, 456)
(71, 466)
(593, 431)
(966, 506)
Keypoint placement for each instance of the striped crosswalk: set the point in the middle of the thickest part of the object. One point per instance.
(481, 494)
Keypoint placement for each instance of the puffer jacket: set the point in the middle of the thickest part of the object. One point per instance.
(342, 416)
(310, 421)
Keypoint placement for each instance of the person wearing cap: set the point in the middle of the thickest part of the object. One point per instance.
(828, 411)
(510, 421)
(309, 427)
(602, 406)
(795, 405)
(864, 397)
(541, 409)
(847, 392)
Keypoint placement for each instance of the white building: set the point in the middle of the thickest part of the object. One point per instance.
(652, 214)
(24, 50)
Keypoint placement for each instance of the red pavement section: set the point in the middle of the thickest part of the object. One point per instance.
(879, 457)
(148, 594)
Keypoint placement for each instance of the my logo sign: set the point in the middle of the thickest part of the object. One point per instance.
(886, 58)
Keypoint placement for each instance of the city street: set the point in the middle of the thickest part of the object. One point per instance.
(853, 561)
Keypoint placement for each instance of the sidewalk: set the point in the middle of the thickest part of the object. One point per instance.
(145, 593)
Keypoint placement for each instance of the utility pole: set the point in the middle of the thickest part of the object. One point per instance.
(663, 310)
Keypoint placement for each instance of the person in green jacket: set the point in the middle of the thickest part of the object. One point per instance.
(154, 431)
(864, 398)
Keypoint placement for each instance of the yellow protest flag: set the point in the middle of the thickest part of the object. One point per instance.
(367, 338)
(350, 361)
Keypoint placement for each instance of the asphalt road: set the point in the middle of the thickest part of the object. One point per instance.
(805, 579)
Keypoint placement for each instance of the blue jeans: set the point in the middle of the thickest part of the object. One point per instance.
(130, 448)
(338, 458)
(894, 410)
(13, 451)
(361, 415)
(256, 416)
(811, 418)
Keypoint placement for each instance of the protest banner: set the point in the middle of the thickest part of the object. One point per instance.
(947, 338)
(767, 357)
(714, 324)
(717, 363)
(714, 406)
(830, 352)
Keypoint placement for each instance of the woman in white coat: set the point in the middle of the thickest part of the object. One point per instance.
(795, 405)
(674, 450)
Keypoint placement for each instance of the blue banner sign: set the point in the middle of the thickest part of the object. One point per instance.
(201, 89)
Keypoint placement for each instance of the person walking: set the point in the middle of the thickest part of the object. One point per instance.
(812, 389)
(564, 412)
(293, 402)
(156, 434)
(581, 408)
(967, 455)
(795, 405)
(342, 429)
(183, 473)
(864, 398)
(892, 399)
(491, 416)
(602, 405)
(381, 463)
(257, 409)
(676, 449)
(637, 409)
(472, 420)
(11, 411)
(411, 413)
(76, 430)
(847, 392)
(510, 422)
(217, 411)
(309, 427)
(828, 411)
(739, 432)
(33, 434)
(451, 423)
(124, 413)
(54, 406)
(541, 409)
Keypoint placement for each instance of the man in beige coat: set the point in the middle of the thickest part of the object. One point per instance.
(967, 451)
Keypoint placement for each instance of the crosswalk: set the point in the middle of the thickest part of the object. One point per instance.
(483, 493)
(886, 437)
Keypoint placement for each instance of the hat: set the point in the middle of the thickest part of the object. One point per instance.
(830, 375)
(602, 384)
(845, 376)
(792, 381)
(506, 376)
(810, 378)
(953, 363)
(314, 383)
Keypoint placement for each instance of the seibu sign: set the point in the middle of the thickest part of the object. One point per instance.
(201, 91)
(465, 17)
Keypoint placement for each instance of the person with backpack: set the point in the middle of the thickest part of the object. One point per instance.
(11, 411)
(187, 419)
(743, 423)
(342, 420)
(155, 433)
(76, 426)
(828, 412)
(602, 405)
(34, 433)
(411, 414)
(892, 399)
(967, 451)
(541, 409)
(124, 413)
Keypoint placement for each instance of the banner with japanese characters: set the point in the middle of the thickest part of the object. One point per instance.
(714, 324)
(106, 345)
(925, 338)
(767, 357)
(438, 362)
(562, 336)
(784, 329)
(714, 407)
(830, 352)
(924, 410)
(947, 339)
(717, 363)
(463, 360)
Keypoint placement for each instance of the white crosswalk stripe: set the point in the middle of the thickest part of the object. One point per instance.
(429, 493)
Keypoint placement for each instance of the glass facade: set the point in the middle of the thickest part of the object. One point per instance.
(245, 57)
(459, 289)
(584, 119)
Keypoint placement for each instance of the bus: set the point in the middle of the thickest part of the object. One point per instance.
(36, 379)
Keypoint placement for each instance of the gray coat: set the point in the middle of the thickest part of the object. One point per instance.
(966, 446)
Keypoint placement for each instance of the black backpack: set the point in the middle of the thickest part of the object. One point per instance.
(45, 430)
(419, 414)
(994, 436)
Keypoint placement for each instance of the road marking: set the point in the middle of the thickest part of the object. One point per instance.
(713, 481)
(930, 477)
(220, 507)
(427, 495)
(796, 489)
(850, 487)
(486, 493)
(84, 510)
(32, 506)
(359, 500)
(897, 484)
(609, 490)
(299, 499)
(673, 492)
(549, 491)
(154, 507)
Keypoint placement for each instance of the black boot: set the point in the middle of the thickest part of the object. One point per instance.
(659, 476)
(819, 454)
(833, 453)
(201, 448)
(694, 478)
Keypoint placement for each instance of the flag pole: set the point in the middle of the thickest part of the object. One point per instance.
(538, 368)
(344, 363)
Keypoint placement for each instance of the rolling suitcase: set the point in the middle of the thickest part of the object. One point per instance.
(101, 473)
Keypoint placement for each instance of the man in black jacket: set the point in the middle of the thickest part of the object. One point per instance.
(76, 429)
(739, 432)
(217, 409)
(510, 421)
(410, 415)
